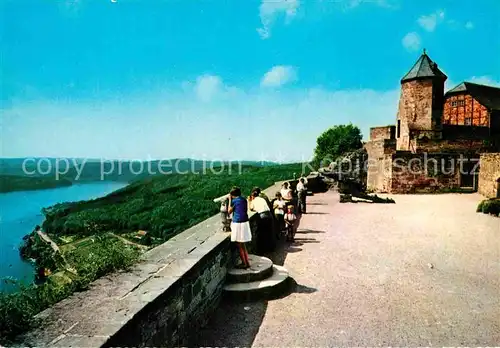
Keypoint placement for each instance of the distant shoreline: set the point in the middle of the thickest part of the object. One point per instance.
(31, 174)
(14, 183)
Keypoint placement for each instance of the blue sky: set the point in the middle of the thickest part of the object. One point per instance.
(221, 79)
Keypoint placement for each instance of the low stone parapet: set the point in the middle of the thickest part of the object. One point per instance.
(163, 299)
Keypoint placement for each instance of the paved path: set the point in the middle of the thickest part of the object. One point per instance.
(49, 241)
(422, 272)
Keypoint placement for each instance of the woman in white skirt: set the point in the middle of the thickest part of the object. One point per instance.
(240, 226)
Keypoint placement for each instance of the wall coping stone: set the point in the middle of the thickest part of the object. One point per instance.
(91, 317)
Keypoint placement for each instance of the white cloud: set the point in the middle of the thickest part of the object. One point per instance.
(269, 11)
(172, 124)
(469, 25)
(485, 80)
(390, 4)
(207, 87)
(430, 22)
(482, 80)
(412, 41)
(278, 76)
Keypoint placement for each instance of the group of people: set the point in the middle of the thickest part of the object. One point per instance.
(283, 211)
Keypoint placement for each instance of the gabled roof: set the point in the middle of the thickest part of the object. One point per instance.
(424, 68)
(487, 95)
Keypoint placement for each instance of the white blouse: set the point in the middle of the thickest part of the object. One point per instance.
(286, 193)
(259, 205)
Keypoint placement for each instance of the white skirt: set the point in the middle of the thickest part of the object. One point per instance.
(241, 232)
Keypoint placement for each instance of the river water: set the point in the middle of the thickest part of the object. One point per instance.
(20, 212)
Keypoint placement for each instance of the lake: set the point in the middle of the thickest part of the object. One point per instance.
(20, 212)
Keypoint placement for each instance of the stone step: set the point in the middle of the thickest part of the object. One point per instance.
(268, 288)
(261, 268)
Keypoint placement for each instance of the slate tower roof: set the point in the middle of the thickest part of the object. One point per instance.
(424, 68)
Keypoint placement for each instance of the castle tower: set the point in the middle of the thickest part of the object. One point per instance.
(420, 103)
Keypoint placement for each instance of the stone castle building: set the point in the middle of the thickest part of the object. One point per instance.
(438, 137)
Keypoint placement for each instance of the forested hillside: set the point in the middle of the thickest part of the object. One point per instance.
(162, 205)
(99, 236)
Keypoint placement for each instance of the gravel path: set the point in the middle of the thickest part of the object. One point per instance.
(422, 272)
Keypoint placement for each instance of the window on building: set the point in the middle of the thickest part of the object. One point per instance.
(468, 121)
(456, 103)
(399, 128)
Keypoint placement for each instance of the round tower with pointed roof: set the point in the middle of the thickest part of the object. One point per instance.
(420, 104)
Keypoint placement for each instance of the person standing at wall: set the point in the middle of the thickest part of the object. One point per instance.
(240, 226)
(262, 195)
(302, 194)
(265, 236)
(279, 207)
(286, 192)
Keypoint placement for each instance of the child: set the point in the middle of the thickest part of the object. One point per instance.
(290, 220)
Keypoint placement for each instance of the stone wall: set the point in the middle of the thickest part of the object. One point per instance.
(417, 173)
(379, 164)
(489, 175)
(380, 174)
(169, 294)
(414, 110)
(454, 132)
(185, 305)
(457, 145)
(380, 133)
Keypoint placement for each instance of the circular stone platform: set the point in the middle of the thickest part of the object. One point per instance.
(275, 285)
(260, 268)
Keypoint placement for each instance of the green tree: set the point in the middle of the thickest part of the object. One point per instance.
(335, 142)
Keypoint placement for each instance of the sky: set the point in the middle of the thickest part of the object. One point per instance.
(221, 80)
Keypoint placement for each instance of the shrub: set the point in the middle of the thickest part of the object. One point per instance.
(491, 206)
(480, 207)
(345, 198)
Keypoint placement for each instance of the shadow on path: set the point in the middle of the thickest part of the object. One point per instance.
(301, 241)
(306, 231)
(237, 324)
